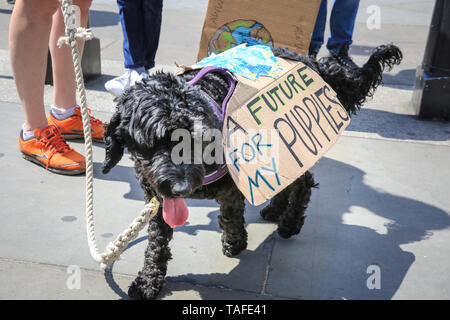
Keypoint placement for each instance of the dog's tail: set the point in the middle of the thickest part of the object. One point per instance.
(354, 86)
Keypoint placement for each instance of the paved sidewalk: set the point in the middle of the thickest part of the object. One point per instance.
(382, 205)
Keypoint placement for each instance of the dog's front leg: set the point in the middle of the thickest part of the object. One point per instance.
(150, 280)
(231, 221)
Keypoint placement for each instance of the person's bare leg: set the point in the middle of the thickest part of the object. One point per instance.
(28, 44)
(64, 82)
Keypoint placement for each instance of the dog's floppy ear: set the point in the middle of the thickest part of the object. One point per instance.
(113, 143)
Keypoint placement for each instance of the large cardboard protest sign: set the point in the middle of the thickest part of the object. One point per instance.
(283, 23)
(276, 129)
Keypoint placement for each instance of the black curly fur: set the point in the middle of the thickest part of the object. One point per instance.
(150, 111)
(353, 86)
(289, 206)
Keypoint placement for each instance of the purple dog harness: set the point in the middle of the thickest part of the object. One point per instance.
(220, 111)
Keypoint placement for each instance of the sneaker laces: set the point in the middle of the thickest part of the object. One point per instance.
(51, 139)
(92, 119)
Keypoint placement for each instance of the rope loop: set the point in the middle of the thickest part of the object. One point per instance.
(116, 247)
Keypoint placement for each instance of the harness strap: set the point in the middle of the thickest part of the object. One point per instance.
(231, 83)
(216, 175)
(223, 170)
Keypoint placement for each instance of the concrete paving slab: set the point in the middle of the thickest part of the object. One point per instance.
(414, 12)
(379, 203)
(24, 280)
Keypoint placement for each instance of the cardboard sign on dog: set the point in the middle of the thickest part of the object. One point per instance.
(276, 129)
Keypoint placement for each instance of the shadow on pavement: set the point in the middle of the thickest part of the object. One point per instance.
(122, 174)
(104, 18)
(399, 126)
(98, 84)
(361, 50)
(329, 259)
(402, 78)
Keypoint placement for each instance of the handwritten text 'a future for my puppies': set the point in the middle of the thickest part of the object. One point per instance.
(303, 113)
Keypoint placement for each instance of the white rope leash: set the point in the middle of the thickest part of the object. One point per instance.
(116, 247)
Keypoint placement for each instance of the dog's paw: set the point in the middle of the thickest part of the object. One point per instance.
(233, 248)
(141, 290)
(286, 231)
(269, 214)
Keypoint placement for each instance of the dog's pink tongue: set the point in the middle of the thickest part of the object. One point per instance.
(175, 211)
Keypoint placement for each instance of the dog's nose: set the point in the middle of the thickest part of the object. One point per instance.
(181, 189)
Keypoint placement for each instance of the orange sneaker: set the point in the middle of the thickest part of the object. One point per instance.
(49, 149)
(72, 127)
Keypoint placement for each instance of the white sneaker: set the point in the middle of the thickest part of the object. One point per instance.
(118, 85)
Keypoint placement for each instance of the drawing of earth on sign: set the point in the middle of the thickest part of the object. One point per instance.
(237, 32)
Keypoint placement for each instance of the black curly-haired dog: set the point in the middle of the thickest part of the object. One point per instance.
(150, 111)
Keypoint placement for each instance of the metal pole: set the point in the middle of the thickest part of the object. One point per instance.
(431, 96)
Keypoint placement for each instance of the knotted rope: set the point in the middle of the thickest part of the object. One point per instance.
(116, 247)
